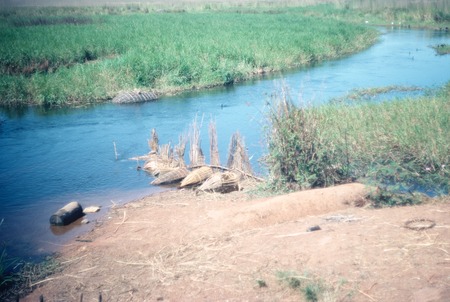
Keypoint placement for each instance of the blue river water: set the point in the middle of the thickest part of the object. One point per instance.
(51, 157)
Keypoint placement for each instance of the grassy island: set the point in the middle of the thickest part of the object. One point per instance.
(70, 56)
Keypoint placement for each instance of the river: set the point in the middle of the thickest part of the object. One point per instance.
(51, 157)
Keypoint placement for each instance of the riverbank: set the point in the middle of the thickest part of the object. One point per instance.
(181, 246)
(72, 56)
(64, 57)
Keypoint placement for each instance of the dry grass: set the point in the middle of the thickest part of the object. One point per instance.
(153, 143)
(237, 155)
(196, 156)
(213, 144)
(180, 150)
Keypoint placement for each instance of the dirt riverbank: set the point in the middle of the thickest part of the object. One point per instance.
(182, 246)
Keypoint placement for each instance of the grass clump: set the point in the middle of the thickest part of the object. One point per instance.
(18, 278)
(292, 279)
(7, 264)
(300, 155)
(442, 49)
(311, 288)
(261, 283)
(400, 145)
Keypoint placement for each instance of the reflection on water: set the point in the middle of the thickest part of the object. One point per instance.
(51, 157)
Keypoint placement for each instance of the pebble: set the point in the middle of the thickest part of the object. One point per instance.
(313, 228)
(91, 209)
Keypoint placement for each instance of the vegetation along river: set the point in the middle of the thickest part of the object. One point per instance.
(49, 158)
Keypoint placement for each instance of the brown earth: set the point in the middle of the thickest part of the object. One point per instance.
(182, 246)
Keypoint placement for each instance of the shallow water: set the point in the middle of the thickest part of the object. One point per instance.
(49, 158)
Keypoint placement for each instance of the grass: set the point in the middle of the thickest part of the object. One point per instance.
(401, 145)
(79, 55)
(442, 49)
(6, 266)
(408, 10)
(60, 57)
(312, 289)
(18, 277)
(372, 93)
(406, 13)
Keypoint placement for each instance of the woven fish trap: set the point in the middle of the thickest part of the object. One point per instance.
(221, 182)
(157, 164)
(160, 171)
(172, 176)
(419, 224)
(135, 96)
(197, 176)
(151, 166)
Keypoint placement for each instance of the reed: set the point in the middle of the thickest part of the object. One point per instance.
(180, 150)
(213, 145)
(196, 156)
(153, 143)
(238, 159)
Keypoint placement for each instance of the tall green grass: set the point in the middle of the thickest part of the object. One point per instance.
(405, 13)
(401, 143)
(52, 62)
(434, 13)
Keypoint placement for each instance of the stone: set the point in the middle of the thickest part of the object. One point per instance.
(313, 228)
(67, 214)
(91, 209)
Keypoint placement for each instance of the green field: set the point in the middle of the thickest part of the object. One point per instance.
(72, 56)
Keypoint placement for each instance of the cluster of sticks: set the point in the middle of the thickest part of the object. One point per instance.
(168, 166)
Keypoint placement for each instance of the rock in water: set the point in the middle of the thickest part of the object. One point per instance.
(68, 214)
(91, 209)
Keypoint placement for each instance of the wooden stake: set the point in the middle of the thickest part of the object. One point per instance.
(115, 150)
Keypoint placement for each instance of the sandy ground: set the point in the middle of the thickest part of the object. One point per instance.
(182, 246)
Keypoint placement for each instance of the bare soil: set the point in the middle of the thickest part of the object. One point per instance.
(183, 246)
